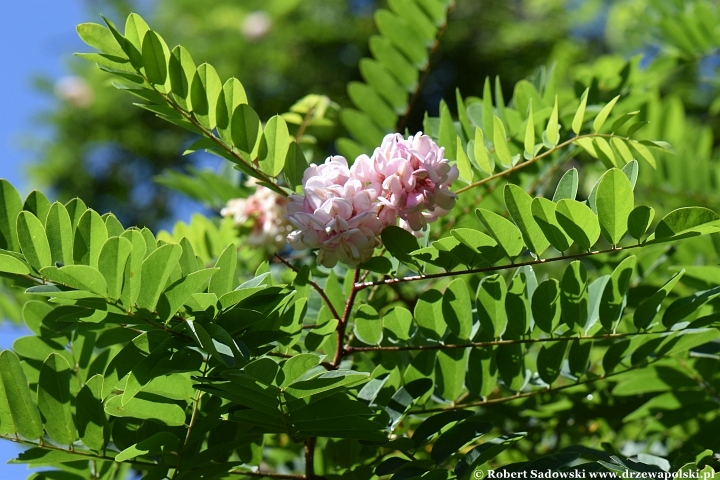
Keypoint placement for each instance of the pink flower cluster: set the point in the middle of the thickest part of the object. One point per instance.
(343, 210)
(263, 213)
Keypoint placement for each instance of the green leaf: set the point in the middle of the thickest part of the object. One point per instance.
(574, 297)
(546, 305)
(205, 91)
(58, 229)
(604, 113)
(517, 306)
(101, 38)
(543, 211)
(483, 159)
(297, 366)
(173, 298)
(399, 32)
(450, 372)
(683, 307)
(398, 322)
(579, 357)
(156, 270)
(245, 129)
(457, 437)
(476, 240)
(157, 444)
(481, 377)
(643, 152)
(579, 222)
(275, 146)
(529, 141)
(614, 295)
(90, 419)
(54, 399)
(135, 30)
(485, 452)
(640, 220)
(519, 204)
(500, 141)
(615, 201)
(579, 117)
(685, 222)
(10, 264)
(111, 263)
(295, 165)
(37, 204)
(167, 413)
(113, 225)
(431, 426)
(503, 230)
(567, 187)
(224, 280)
(463, 163)
(33, 241)
(549, 361)
(400, 243)
(155, 55)
(383, 50)
(447, 133)
(75, 209)
(369, 101)
(10, 206)
(379, 77)
(181, 70)
(490, 302)
(133, 268)
(552, 132)
(90, 237)
(80, 277)
(405, 398)
(368, 327)
(457, 309)
(24, 412)
(429, 314)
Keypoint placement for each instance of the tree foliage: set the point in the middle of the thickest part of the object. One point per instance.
(531, 328)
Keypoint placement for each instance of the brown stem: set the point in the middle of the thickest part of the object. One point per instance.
(531, 161)
(494, 343)
(310, 457)
(490, 401)
(315, 286)
(269, 475)
(402, 121)
(415, 278)
(342, 326)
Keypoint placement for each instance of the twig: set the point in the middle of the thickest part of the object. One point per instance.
(533, 393)
(526, 163)
(191, 425)
(340, 351)
(402, 121)
(315, 286)
(310, 457)
(415, 278)
(442, 346)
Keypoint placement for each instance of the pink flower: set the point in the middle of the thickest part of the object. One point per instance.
(335, 214)
(263, 212)
(411, 178)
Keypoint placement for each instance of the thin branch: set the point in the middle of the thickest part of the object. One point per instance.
(493, 343)
(310, 457)
(415, 278)
(342, 326)
(526, 163)
(89, 455)
(315, 286)
(491, 401)
(191, 425)
(269, 474)
(402, 121)
(305, 122)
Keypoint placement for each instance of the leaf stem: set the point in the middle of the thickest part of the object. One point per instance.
(415, 278)
(526, 163)
(315, 286)
(340, 350)
(441, 346)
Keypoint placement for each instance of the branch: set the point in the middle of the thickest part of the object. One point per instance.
(440, 346)
(310, 457)
(526, 163)
(89, 455)
(342, 326)
(533, 393)
(402, 121)
(415, 278)
(191, 425)
(315, 286)
(269, 474)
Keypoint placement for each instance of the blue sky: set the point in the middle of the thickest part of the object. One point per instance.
(37, 37)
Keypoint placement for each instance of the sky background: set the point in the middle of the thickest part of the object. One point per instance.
(37, 38)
